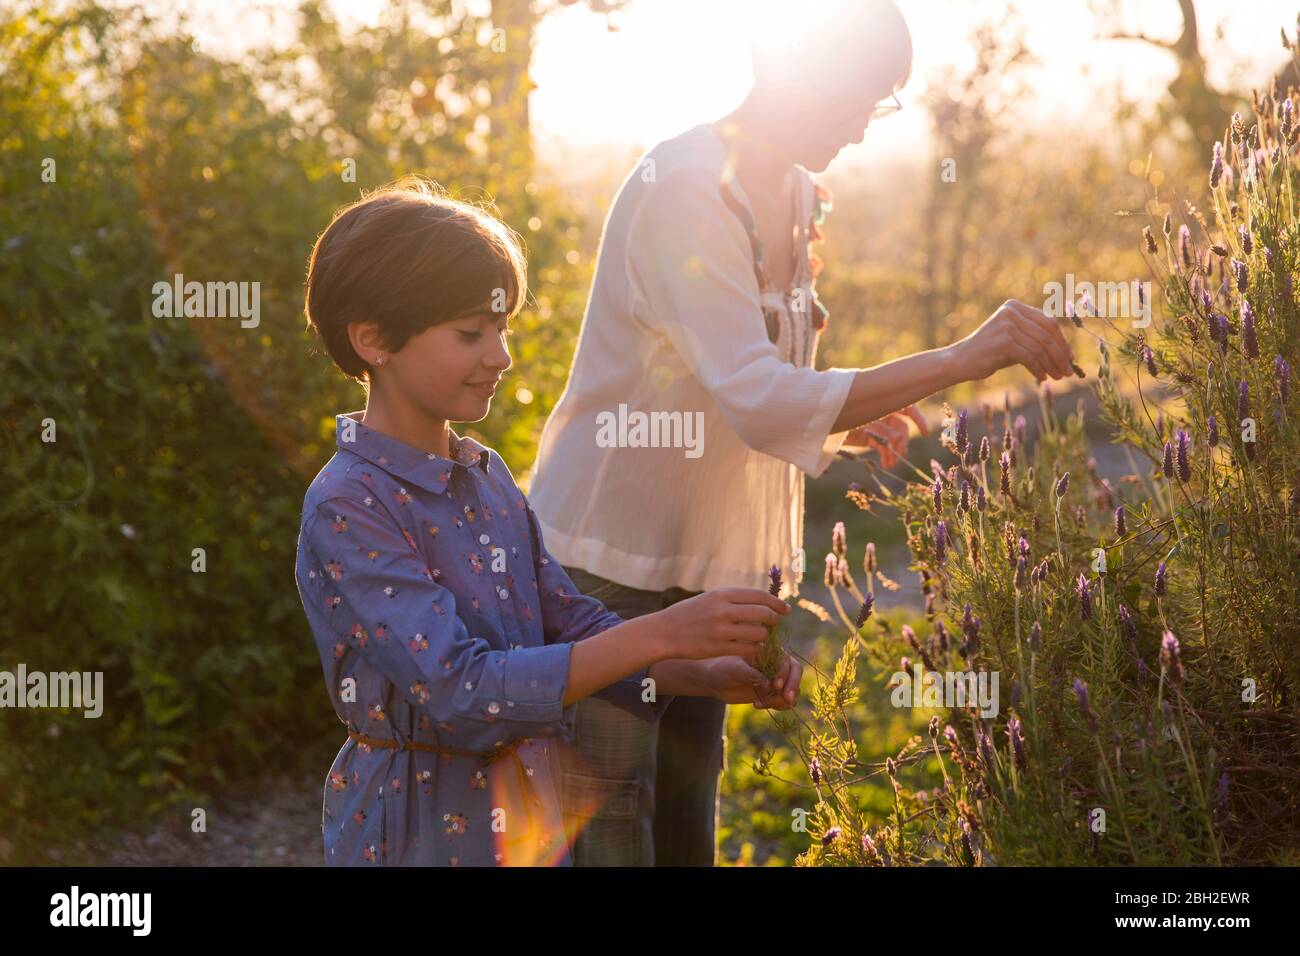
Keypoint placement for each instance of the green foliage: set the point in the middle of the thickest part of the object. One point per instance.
(1151, 655)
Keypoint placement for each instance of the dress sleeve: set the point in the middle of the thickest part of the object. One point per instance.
(691, 277)
(388, 608)
(569, 615)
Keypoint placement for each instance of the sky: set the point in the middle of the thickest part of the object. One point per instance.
(674, 63)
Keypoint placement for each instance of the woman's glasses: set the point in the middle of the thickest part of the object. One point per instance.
(885, 109)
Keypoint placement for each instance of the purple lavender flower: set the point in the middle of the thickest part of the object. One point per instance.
(1216, 166)
(1287, 114)
(1085, 598)
(1127, 624)
(1021, 568)
(1149, 239)
(1242, 274)
(950, 735)
(1243, 400)
(1282, 376)
(1108, 492)
(815, 771)
(970, 627)
(1149, 358)
(1063, 485)
(830, 836)
(1023, 545)
(1120, 525)
(963, 502)
(981, 499)
(1168, 466)
(1004, 484)
(1162, 576)
(1221, 793)
(984, 447)
(936, 494)
(1171, 660)
(1081, 691)
(1184, 468)
(1036, 637)
(864, 612)
(1185, 245)
(1248, 329)
(1016, 737)
(1247, 245)
(1268, 258)
(774, 573)
(940, 541)
(1212, 439)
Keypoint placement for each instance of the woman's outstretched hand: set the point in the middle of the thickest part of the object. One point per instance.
(888, 436)
(733, 681)
(1016, 334)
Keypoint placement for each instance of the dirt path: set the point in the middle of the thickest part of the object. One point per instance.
(279, 825)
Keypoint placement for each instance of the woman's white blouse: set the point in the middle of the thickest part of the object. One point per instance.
(675, 324)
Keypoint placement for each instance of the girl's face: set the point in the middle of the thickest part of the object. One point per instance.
(451, 370)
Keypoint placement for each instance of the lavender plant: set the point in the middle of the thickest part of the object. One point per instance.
(1149, 635)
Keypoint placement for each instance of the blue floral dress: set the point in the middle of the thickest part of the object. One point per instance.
(444, 629)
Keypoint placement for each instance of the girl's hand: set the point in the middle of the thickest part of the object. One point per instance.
(721, 623)
(733, 681)
(889, 435)
(1016, 334)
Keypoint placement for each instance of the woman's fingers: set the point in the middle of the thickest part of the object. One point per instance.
(1034, 345)
(1047, 333)
(1028, 356)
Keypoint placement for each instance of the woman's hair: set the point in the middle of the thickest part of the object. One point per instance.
(407, 256)
(830, 41)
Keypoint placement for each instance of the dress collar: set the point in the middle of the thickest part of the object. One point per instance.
(420, 468)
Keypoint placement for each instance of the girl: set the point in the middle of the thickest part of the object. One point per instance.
(453, 645)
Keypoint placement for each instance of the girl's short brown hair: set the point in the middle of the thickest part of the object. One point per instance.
(407, 256)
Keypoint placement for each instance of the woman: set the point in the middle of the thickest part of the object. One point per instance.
(703, 304)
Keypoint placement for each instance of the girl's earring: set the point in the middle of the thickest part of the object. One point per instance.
(381, 360)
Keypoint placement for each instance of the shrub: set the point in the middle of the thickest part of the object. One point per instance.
(1147, 633)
